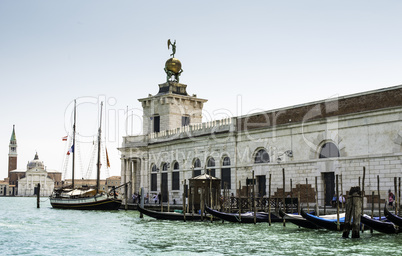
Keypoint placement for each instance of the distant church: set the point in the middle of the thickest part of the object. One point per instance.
(24, 182)
(326, 139)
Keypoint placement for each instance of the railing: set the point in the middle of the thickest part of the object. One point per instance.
(261, 203)
(207, 126)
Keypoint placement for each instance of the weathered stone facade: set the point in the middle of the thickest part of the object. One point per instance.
(338, 136)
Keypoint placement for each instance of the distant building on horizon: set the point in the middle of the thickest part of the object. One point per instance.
(34, 175)
(23, 182)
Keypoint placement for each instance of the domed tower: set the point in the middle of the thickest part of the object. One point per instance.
(172, 107)
(36, 164)
(12, 155)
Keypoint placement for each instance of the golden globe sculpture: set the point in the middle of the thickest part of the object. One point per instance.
(173, 65)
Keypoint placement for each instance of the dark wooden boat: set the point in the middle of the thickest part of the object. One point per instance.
(168, 215)
(98, 201)
(392, 217)
(378, 225)
(330, 224)
(298, 220)
(244, 217)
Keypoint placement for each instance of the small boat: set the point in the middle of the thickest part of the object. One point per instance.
(85, 198)
(378, 225)
(392, 217)
(247, 217)
(169, 215)
(298, 220)
(325, 221)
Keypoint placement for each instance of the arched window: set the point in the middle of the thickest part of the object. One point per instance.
(329, 150)
(164, 167)
(261, 157)
(226, 174)
(197, 167)
(197, 163)
(211, 163)
(176, 177)
(154, 178)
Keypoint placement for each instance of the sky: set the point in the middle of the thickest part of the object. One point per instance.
(242, 56)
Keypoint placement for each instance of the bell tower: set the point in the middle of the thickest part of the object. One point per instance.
(12, 153)
(172, 107)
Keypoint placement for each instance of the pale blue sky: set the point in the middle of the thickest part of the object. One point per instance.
(269, 54)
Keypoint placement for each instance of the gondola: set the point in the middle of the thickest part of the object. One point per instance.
(380, 226)
(244, 217)
(330, 224)
(392, 217)
(168, 215)
(298, 220)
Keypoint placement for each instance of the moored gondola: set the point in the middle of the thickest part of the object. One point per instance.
(298, 220)
(378, 225)
(244, 217)
(392, 217)
(330, 224)
(169, 215)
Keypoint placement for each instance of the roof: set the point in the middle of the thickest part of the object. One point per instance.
(13, 138)
(204, 177)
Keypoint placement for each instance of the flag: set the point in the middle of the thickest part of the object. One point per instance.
(65, 138)
(71, 150)
(107, 159)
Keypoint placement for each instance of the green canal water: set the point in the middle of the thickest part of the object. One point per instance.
(26, 230)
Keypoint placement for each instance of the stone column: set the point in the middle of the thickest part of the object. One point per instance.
(123, 170)
(130, 170)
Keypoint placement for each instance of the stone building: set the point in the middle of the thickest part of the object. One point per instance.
(324, 139)
(34, 175)
(15, 175)
(4, 188)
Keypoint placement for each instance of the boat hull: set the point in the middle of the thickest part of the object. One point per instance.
(298, 220)
(330, 224)
(89, 203)
(392, 217)
(168, 215)
(380, 226)
(245, 218)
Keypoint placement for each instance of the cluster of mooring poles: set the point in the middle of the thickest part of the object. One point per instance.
(205, 190)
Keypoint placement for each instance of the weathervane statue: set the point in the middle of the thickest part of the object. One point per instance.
(172, 65)
(173, 47)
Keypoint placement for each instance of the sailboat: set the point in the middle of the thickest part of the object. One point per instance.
(85, 198)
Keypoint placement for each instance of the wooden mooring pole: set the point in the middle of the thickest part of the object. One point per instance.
(317, 210)
(269, 200)
(343, 203)
(364, 177)
(184, 200)
(396, 196)
(353, 212)
(379, 197)
(239, 202)
(254, 206)
(337, 204)
(38, 196)
(308, 206)
(125, 197)
(283, 198)
(399, 195)
(291, 196)
(142, 201)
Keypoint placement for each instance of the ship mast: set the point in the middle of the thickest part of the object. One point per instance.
(73, 147)
(98, 165)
